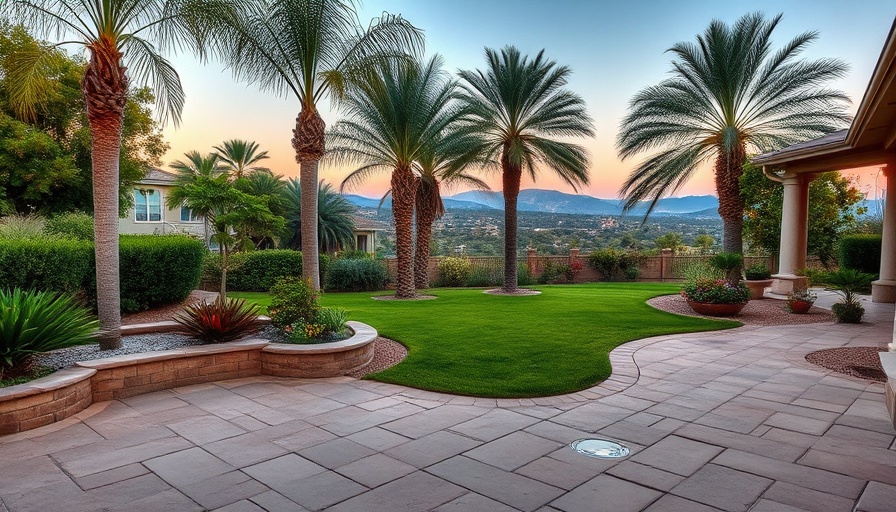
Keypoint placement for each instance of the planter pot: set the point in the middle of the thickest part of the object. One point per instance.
(707, 309)
(800, 307)
(757, 288)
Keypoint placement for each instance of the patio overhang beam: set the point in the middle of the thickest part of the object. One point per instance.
(824, 161)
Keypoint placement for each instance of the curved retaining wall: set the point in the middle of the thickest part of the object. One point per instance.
(71, 390)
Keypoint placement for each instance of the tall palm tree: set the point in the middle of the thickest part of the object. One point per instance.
(729, 95)
(520, 107)
(393, 117)
(241, 157)
(310, 49)
(335, 225)
(123, 38)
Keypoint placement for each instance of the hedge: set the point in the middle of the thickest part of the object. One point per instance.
(860, 252)
(257, 271)
(155, 270)
(356, 275)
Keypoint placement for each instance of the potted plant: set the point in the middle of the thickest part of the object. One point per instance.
(716, 297)
(800, 301)
(848, 282)
(757, 278)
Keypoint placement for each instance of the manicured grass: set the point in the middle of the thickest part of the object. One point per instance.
(469, 343)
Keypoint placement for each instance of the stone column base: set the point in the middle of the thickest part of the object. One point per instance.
(786, 283)
(884, 291)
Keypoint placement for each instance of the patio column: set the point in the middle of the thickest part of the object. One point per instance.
(794, 234)
(884, 289)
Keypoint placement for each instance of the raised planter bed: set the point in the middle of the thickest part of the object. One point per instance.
(71, 390)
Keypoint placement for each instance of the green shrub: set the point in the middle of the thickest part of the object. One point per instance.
(485, 276)
(333, 319)
(554, 273)
(46, 264)
(847, 313)
(219, 321)
(292, 299)
(353, 254)
(75, 225)
(18, 227)
(356, 275)
(34, 322)
(523, 276)
(701, 270)
(454, 271)
(716, 291)
(616, 265)
(860, 252)
(156, 270)
(730, 263)
(757, 272)
(849, 283)
(258, 270)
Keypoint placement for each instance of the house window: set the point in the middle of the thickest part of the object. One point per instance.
(361, 244)
(147, 205)
(187, 215)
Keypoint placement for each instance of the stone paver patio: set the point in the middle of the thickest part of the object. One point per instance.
(734, 420)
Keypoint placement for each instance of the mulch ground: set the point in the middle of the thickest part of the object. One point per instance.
(861, 362)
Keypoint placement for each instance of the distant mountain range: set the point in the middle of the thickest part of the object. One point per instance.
(553, 201)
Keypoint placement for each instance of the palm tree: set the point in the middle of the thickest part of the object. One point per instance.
(196, 166)
(116, 33)
(240, 157)
(394, 116)
(335, 226)
(519, 107)
(729, 95)
(309, 49)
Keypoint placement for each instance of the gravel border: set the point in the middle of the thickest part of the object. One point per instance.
(402, 299)
(861, 362)
(765, 312)
(522, 292)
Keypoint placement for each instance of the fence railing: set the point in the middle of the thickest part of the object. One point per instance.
(663, 267)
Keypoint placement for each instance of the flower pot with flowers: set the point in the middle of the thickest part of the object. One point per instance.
(716, 297)
(757, 278)
(799, 302)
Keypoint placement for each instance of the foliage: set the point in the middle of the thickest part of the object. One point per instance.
(757, 272)
(219, 321)
(240, 158)
(353, 254)
(156, 270)
(35, 373)
(524, 277)
(335, 224)
(303, 331)
(260, 270)
(75, 225)
(728, 94)
(701, 270)
(861, 252)
(616, 265)
(46, 264)
(730, 263)
(484, 345)
(333, 319)
(704, 242)
(292, 299)
(484, 276)
(38, 321)
(355, 275)
(21, 227)
(454, 271)
(832, 200)
(718, 291)
(669, 241)
(553, 273)
(849, 283)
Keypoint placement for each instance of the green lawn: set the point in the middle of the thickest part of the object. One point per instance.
(469, 343)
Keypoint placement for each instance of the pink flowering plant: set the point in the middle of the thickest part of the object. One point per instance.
(716, 291)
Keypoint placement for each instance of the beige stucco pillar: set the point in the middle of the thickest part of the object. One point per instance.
(884, 289)
(794, 234)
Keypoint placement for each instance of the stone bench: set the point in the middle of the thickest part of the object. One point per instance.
(888, 361)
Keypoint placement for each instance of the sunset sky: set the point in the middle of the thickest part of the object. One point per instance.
(614, 49)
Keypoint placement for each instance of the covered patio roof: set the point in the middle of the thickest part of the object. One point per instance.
(870, 140)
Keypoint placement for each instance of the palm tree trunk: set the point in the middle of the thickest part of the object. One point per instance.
(426, 215)
(308, 141)
(105, 90)
(728, 170)
(511, 178)
(404, 186)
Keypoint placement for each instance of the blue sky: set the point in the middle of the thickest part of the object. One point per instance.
(613, 48)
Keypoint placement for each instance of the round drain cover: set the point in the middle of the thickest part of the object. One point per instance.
(600, 448)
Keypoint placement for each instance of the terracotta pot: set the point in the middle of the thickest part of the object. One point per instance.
(800, 307)
(707, 309)
(757, 288)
